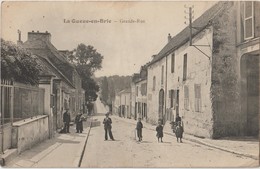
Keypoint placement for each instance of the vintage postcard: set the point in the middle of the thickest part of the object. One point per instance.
(130, 84)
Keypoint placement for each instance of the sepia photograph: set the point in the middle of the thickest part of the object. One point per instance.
(130, 84)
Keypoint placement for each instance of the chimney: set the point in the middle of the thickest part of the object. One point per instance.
(43, 36)
(19, 42)
(169, 38)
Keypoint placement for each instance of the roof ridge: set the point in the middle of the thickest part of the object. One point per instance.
(182, 37)
(56, 51)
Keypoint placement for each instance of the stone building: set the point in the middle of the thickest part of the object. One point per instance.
(133, 109)
(62, 83)
(124, 98)
(116, 105)
(248, 52)
(203, 80)
(139, 94)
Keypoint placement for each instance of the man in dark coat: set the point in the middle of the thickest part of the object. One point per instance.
(179, 132)
(177, 119)
(139, 127)
(79, 123)
(107, 126)
(66, 121)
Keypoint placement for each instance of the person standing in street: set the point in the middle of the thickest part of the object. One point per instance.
(108, 126)
(79, 123)
(139, 127)
(159, 130)
(177, 119)
(179, 132)
(66, 121)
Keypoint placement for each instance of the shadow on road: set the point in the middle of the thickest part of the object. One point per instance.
(112, 140)
(67, 141)
(146, 142)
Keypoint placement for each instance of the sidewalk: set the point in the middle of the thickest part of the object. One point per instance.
(64, 150)
(248, 146)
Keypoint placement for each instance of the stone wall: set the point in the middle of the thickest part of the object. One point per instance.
(200, 122)
(29, 132)
(154, 70)
(225, 92)
(7, 130)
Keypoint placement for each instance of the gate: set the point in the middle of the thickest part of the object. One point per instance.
(6, 114)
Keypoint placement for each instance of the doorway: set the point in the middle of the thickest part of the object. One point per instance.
(161, 104)
(250, 93)
(177, 102)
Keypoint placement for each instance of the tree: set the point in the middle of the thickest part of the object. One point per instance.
(87, 60)
(18, 64)
(112, 85)
(104, 90)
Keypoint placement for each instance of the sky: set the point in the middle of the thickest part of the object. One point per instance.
(125, 46)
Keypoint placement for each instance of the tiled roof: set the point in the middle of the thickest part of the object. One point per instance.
(183, 37)
(53, 57)
(45, 70)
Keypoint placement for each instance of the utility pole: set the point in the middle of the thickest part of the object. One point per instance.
(190, 17)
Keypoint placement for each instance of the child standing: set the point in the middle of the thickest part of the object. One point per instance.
(159, 130)
(139, 127)
(179, 131)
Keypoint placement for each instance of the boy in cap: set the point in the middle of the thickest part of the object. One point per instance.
(159, 130)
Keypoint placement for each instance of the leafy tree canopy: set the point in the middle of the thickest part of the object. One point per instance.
(87, 60)
(18, 64)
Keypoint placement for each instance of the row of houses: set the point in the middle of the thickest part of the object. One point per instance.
(31, 114)
(210, 79)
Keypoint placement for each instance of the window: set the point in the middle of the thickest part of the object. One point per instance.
(185, 67)
(143, 89)
(197, 89)
(154, 82)
(248, 19)
(136, 90)
(162, 78)
(172, 98)
(173, 62)
(186, 97)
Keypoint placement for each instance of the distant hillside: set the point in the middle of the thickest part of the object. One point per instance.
(109, 86)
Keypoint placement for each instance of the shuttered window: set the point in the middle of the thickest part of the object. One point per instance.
(197, 89)
(162, 78)
(172, 98)
(186, 97)
(154, 82)
(185, 67)
(173, 62)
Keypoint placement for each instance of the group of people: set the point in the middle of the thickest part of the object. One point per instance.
(139, 126)
(177, 128)
(159, 129)
(78, 121)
